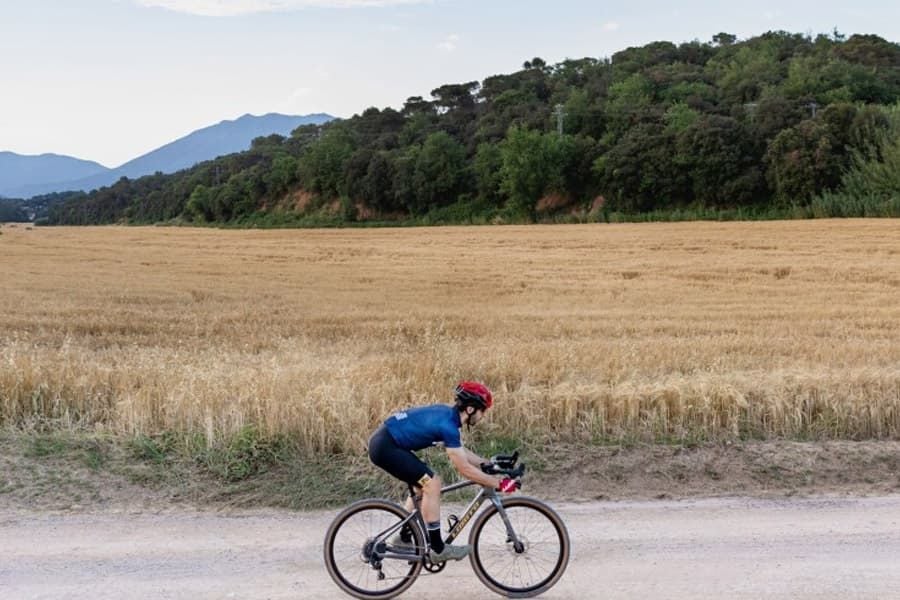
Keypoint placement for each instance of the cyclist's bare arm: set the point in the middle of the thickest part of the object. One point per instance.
(459, 457)
(474, 459)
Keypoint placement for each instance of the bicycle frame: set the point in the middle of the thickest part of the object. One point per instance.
(484, 495)
(500, 556)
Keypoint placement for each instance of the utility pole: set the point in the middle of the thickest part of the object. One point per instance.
(560, 116)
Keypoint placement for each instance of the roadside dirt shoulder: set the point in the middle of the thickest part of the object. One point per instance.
(32, 480)
(733, 469)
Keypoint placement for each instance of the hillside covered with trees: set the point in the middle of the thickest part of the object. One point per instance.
(10, 211)
(782, 124)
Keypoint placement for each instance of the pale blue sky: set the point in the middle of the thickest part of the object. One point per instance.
(108, 80)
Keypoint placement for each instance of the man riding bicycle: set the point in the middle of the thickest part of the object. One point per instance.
(392, 445)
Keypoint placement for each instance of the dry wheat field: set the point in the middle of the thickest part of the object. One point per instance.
(586, 332)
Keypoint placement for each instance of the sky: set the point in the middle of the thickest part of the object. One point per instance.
(109, 80)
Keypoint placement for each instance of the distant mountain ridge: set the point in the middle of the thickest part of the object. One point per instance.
(17, 170)
(28, 176)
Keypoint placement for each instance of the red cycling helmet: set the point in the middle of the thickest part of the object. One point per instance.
(472, 393)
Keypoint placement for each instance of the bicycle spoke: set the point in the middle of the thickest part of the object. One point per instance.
(540, 556)
(349, 544)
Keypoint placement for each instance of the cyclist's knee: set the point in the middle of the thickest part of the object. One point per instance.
(433, 484)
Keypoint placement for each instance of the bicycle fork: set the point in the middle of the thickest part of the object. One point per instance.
(460, 523)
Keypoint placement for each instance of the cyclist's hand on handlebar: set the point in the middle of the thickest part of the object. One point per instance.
(508, 486)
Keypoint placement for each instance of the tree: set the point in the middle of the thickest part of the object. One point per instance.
(874, 170)
(457, 105)
(629, 102)
(636, 59)
(281, 175)
(653, 127)
(438, 173)
(679, 117)
(745, 75)
(377, 186)
(639, 174)
(455, 96)
(12, 212)
(487, 165)
(584, 114)
(533, 164)
(802, 162)
(355, 170)
(322, 165)
(199, 207)
(724, 39)
(770, 115)
(718, 156)
(378, 129)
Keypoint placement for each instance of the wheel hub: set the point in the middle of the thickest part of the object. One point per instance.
(520, 546)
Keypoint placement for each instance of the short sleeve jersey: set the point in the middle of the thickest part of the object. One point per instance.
(424, 426)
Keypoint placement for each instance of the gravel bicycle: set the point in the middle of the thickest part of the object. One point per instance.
(520, 546)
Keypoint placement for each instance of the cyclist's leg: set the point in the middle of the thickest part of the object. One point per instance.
(407, 467)
(431, 510)
(402, 464)
(431, 497)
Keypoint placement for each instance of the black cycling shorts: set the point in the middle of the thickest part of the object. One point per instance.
(402, 464)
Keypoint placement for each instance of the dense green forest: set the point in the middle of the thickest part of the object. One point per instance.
(34, 209)
(12, 211)
(782, 124)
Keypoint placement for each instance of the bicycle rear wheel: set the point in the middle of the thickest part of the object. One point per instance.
(353, 556)
(536, 564)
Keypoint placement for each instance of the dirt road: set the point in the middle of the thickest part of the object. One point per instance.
(713, 548)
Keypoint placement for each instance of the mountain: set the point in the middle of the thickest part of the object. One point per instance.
(223, 138)
(17, 170)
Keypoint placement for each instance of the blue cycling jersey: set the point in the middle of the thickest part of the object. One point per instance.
(417, 428)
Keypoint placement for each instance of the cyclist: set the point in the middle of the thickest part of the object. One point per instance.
(392, 445)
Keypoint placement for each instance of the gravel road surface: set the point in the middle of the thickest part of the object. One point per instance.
(824, 547)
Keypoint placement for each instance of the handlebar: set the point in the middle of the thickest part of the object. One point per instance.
(504, 464)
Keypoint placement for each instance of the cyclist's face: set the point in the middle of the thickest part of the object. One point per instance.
(475, 416)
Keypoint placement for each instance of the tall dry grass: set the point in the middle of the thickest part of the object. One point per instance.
(650, 331)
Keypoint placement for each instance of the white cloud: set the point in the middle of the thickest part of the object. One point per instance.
(771, 15)
(610, 26)
(449, 43)
(232, 8)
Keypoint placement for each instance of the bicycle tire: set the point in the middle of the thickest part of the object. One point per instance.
(547, 548)
(344, 551)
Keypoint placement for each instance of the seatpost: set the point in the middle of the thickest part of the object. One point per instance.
(412, 494)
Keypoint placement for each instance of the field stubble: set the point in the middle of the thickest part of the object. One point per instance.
(594, 333)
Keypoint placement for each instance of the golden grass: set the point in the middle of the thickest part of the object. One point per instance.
(644, 331)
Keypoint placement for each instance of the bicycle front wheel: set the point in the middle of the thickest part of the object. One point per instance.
(530, 567)
(352, 551)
